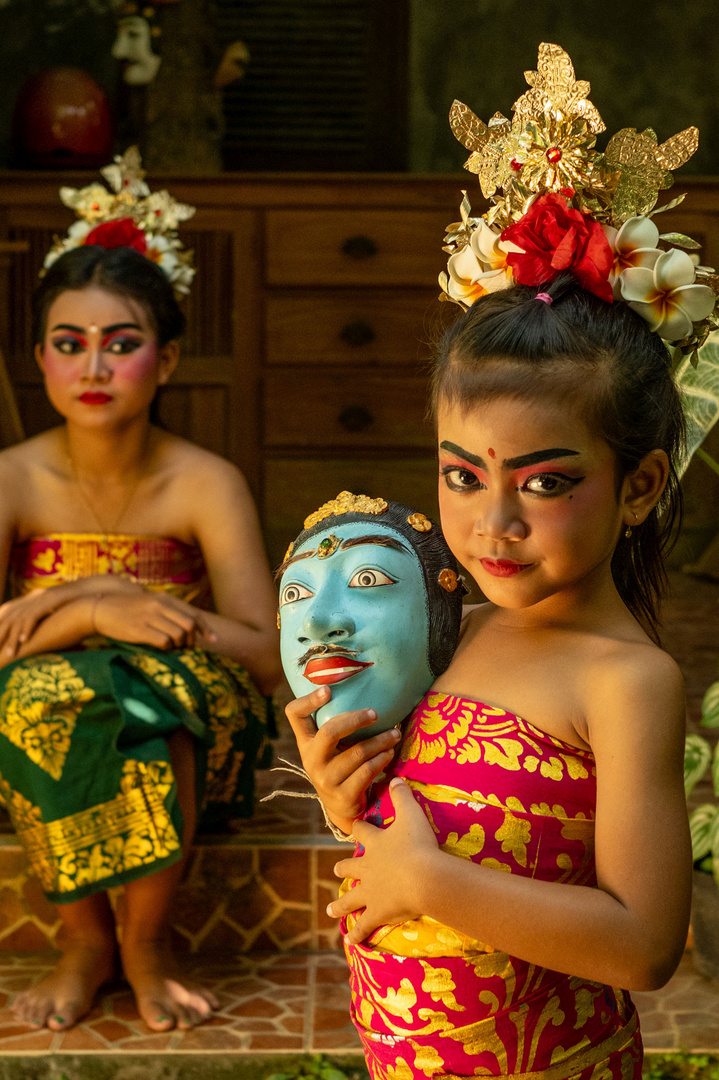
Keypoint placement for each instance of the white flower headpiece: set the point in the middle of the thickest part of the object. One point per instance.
(558, 204)
(129, 215)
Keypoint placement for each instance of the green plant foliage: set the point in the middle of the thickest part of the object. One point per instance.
(710, 707)
(703, 823)
(315, 1068)
(697, 755)
(681, 1067)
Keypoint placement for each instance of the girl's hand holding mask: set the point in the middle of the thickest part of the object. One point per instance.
(340, 774)
(390, 871)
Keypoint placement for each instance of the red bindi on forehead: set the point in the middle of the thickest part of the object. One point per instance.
(491, 452)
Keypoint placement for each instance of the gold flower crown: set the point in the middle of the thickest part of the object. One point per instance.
(129, 215)
(556, 204)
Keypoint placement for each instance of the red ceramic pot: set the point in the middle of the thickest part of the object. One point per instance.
(62, 119)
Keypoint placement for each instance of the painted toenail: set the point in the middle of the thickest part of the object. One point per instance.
(59, 1019)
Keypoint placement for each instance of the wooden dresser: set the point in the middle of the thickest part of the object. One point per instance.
(309, 329)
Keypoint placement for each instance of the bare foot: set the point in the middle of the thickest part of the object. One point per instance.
(60, 999)
(164, 999)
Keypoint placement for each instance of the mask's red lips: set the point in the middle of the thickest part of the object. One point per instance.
(324, 670)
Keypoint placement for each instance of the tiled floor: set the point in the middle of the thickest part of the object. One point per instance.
(298, 1003)
(268, 1003)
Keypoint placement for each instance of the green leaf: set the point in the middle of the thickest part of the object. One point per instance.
(710, 707)
(697, 755)
(703, 825)
(715, 770)
(680, 240)
(714, 836)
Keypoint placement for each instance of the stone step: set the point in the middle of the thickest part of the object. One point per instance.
(260, 884)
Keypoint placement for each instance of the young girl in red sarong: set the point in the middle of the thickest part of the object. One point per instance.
(524, 850)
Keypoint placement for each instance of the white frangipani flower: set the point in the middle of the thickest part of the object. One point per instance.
(634, 244)
(479, 267)
(666, 295)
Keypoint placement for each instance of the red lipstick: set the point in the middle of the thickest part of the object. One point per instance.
(324, 670)
(96, 398)
(503, 567)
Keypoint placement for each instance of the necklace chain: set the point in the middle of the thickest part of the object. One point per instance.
(88, 503)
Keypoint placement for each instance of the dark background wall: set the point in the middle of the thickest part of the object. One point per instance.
(650, 64)
(39, 34)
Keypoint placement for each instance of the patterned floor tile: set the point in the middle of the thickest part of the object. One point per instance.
(298, 1002)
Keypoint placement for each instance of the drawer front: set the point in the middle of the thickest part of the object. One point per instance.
(356, 247)
(295, 487)
(311, 408)
(354, 327)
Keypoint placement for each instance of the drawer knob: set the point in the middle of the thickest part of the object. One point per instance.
(355, 418)
(359, 247)
(357, 333)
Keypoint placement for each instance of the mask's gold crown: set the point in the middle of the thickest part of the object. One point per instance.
(346, 503)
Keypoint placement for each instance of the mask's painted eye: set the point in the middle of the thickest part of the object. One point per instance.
(368, 579)
(292, 593)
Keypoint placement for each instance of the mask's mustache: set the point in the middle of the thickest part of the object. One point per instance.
(324, 650)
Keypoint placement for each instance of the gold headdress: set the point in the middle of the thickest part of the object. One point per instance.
(346, 503)
(559, 204)
(129, 215)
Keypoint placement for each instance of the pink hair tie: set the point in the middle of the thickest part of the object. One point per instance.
(544, 297)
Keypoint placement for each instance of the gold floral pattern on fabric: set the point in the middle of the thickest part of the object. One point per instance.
(431, 1002)
(226, 718)
(39, 708)
(164, 676)
(132, 830)
(156, 562)
(23, 814)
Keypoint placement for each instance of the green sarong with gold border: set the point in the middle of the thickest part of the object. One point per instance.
(85, 769)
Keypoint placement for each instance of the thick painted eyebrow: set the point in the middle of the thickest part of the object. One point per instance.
(375, 541)
(121, 326)
(105, 330)
(464, 454)
(288, 562)
(537, 456)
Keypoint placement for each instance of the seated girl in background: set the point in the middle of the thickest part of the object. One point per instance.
(527, 848)
(141, 644)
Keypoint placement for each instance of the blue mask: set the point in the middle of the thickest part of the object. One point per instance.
(357, 619)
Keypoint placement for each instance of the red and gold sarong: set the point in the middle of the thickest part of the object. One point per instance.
(429, 1002)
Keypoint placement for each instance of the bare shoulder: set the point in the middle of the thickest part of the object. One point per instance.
(196, 469)
(634, 685)
(20, 464)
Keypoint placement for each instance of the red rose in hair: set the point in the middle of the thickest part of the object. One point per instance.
(121, 233)
(555, 237)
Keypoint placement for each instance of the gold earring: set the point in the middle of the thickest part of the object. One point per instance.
(628, 531)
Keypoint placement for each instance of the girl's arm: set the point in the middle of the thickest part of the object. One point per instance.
(228, 530)
(631, 929)
(140, 617)
(20, 617)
